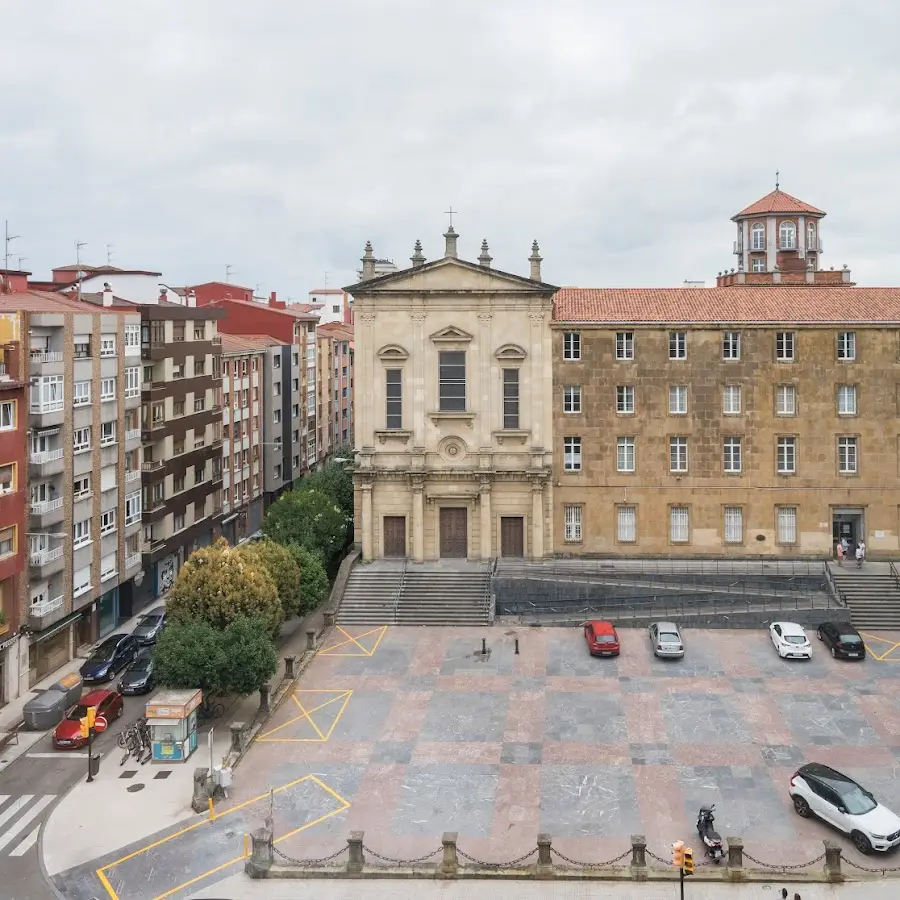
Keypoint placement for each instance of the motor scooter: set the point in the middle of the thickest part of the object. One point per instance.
(712, 843)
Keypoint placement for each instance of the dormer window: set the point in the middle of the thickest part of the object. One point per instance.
(758, 237)
(787, 236)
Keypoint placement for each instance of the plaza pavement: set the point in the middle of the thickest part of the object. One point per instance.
(405, 733)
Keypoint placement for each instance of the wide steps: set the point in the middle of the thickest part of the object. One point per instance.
(873, 599)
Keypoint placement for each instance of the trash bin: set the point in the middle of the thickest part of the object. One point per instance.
(72, 686)
(45, 711)
(94, 764)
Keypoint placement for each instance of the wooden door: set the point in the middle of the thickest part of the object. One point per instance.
(454, 531)
(512, 536)
(395, 535)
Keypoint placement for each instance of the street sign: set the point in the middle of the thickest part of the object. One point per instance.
(100, 724)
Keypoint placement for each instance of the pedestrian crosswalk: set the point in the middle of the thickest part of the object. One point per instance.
(20, 821)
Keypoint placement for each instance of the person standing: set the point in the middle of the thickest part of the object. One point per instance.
(862, 546)
(846, 545)
(859, 556)
(840, 553)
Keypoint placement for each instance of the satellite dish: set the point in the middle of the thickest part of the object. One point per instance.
(139, 578)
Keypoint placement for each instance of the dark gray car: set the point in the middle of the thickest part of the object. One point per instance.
(150, 625)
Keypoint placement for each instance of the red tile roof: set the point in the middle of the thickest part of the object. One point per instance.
(337, 330)
(778, 202)
(246, 343)
(749, 305)
(40, 301)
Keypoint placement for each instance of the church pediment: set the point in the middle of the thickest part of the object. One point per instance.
(393, 353)
(510, 352)
(451, 335)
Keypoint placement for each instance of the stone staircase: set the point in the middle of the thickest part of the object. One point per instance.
(872, 594)
(388, 592)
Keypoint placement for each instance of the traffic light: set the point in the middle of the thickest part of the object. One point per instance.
(688, 861)
(678, 854)
(85, 727)
(91, 716)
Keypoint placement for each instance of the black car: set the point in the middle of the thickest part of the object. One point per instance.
(843, 639)
(149, 626)
(138, 677)
(108, 658)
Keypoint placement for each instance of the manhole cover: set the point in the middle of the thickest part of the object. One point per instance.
(230, 834)
(165, 773)
(134, 788)
(128, 773)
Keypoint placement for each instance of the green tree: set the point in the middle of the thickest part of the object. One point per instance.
(313, 578)
(218, 584)
(334, 480)
(193, 653)
(309, 518)
(283, 569)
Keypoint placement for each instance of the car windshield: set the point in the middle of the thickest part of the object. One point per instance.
(795, 638)
(105, 652)
(149, 621)
(850, 639)
(855, 800)
(669, 638)
(605, 639)
(78, 713)
(141, 666)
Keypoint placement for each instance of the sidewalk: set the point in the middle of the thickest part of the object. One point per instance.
(68, 839)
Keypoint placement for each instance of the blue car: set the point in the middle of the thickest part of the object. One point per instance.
(109, 658)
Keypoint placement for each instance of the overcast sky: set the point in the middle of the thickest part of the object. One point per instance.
(277, 137)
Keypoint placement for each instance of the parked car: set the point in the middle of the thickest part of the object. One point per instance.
(666, 640)
(790, 640)
(138, 677)
(149, 626)
(820, 791)
(602, 639)
(109, 658)
(843, 639)
(68, 733)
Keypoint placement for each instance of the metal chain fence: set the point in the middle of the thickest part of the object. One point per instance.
(309, 862)
(391, 861)
(882, 871)
(783, 867)
(585, 865)
(512, 864)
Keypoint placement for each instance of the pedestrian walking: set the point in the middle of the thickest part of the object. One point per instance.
(859, 556)
(846, 545)
(840, 553)
(862, 546)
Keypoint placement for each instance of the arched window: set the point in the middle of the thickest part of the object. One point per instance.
(811, 237)
(787, 236)
(758, 237)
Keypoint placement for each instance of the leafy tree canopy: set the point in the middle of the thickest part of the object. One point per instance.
(313, 578)
(309, 518)
(219, 583)
(238, 659)
(283, 569)
(333, 480)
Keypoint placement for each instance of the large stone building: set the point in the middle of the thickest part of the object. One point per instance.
(454, 438)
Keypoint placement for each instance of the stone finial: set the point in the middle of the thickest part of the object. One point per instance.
(368, 261)
(535, 260)
(485, 258)
(450, 237)
(418, 257)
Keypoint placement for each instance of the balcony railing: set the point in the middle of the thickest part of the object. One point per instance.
(43, 607)
(151, 465)
(44, 506)
(132, 560)
(46, 356)
(51, 406)
(42, 557)
(46, 456)
(133, 475)
(133, 434)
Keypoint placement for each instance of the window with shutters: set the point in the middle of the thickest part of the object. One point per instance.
(107, 566)
(679, 527)
(572, 399)
(626, 524)
(573, 523)
(393, 399)
(734, 525)
(81, 581)
(8, 541)
(511, 398)
(452, 381)
(625, 454)
(787, 524)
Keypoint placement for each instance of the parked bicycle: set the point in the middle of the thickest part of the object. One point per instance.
(135, 741)
(209, 709)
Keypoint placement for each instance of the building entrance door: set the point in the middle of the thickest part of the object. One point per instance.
(454, 532)
(512, 536)
(395, 535)
(847, 523)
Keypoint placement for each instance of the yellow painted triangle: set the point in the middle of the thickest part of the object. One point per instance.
(316, 715)
(352, 642)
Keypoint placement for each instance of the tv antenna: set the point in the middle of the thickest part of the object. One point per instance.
(110, 250)
(229, 271)
(8, 238)
(78, 273)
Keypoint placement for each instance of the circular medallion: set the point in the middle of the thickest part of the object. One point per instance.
(453, 449)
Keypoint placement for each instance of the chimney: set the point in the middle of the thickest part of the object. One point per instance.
(535, 260)
(163, 295)
(190, 297)
(107, 294)
(418, 257)
(485, 258)
(368, 261)
(450, 237)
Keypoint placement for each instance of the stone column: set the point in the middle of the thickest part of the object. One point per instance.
(735, 858)
(262, 857)
(418, 352)
(745, 256)
(485, 418)
(771, 243)
(450, 861)
(833, 862)
(418, 521)
(357, 858)
(544, 860)
(536, 376)
(638, 857)
(537, 519)
(367, 543)
(485, 498)
(801, 236)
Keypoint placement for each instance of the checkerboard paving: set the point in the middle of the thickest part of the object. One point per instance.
(423, 734)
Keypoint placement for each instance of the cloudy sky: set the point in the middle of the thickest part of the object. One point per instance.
(277, 137)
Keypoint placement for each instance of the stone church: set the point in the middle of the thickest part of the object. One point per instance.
(454, 414)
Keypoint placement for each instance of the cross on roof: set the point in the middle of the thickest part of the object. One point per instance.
(451, 212)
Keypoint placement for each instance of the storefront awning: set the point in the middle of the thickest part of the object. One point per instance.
(39, 636)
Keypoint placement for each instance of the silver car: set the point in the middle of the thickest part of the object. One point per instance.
(666, 639)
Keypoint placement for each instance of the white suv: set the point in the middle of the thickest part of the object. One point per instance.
(817, 790)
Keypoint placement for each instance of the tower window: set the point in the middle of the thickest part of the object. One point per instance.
(758, 264)
(758, 237)
(787, 236)
(811, 238)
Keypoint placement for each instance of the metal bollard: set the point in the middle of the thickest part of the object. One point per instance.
(310, 640)
(329, 620)
(545, 859)
(833, 862)
(484, 646)
(517, 646)
(264, 698)
(736, 870)
(289, 667)
(355, 845)
(262, 856)
(450, 862)
(237, 730)
(638, 857)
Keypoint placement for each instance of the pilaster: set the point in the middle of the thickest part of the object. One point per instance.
(537, 519)
(536, 372)
(771, 243)
(485, 499)
(418, 519)
(485, 417)
(419, 351)
(367, 542)
(366, 376)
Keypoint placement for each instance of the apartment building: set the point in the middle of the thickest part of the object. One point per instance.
(334, 416)
(245, 406)
(83, 474)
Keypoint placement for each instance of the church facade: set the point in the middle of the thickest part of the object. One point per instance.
(453, 409)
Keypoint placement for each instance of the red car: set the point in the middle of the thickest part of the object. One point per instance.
(68, 733)
(601, 638)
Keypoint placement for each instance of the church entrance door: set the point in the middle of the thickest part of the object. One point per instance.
(454, 532)
(512, 536)
(395, 535)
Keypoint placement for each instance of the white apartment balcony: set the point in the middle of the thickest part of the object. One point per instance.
(132, 561)
(133, 475)
(47, 512)
(44, 613)
(46, 456)
(38, 357)
(47, 562)
(133, 434)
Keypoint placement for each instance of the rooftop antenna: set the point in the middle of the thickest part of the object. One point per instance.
(7, 237)
(109, 253)
(229, 271)
(21, 260)
(78, 246)
(326, 280)
(777, 179)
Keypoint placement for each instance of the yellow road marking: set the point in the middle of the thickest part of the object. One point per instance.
(329, 651)
(307, 715)
(345, 805)
(883, 657)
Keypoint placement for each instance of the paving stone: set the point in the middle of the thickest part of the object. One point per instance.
(522, 754)
(583, 801)
(472, 716)
(584, 718)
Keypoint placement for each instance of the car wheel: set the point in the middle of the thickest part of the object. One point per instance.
(801, 807)
(819, 633)
(861, 842)
(833, 653)
(119, 711)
